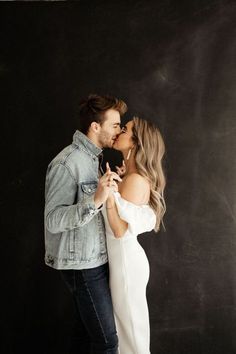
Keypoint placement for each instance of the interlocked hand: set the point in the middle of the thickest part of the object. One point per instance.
(106, 184)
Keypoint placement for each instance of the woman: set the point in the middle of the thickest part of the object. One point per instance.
(135, 207)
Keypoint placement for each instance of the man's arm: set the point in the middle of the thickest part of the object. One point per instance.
(61, 214)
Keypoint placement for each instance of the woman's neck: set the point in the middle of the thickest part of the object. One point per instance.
(130, 165)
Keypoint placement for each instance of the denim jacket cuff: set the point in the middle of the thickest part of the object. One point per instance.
(93, 210)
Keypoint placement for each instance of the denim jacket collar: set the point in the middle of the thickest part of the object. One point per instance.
(89, 147)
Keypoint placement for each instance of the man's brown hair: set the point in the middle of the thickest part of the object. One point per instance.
(92, 109)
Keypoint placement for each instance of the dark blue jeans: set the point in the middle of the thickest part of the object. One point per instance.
(94, 331)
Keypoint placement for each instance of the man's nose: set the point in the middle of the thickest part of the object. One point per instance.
(118, 130)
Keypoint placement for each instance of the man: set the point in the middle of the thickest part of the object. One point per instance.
(74, 228)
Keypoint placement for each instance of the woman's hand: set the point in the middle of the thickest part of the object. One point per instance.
(121, 170)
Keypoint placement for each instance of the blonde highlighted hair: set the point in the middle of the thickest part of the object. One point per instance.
(149, 152)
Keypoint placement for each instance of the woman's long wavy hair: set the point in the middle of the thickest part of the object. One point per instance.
(149, 152)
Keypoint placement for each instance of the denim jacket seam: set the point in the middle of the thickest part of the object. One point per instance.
(80, 139)
(87, 152)
(63, 163)
(65, 158)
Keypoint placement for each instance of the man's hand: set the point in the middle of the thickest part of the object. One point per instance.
(106, 184)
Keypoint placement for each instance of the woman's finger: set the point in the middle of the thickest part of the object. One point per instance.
(112, 184)
(118, 170)
(116, 176)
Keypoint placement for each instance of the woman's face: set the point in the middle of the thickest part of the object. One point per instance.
(124, 140)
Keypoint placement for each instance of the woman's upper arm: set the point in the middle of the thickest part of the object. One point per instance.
(135, 189)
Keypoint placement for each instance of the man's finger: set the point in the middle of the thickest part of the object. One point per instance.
(108, 167)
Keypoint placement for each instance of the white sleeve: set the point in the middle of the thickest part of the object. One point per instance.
(140, 218)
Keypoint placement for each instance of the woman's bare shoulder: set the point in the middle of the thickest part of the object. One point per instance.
(135, 188)
(136, 179)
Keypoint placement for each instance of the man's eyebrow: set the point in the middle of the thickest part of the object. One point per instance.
(116, 123)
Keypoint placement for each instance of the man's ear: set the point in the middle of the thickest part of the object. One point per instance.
(95, 127)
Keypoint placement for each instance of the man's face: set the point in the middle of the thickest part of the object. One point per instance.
(110, 129)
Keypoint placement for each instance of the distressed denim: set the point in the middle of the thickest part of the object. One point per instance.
(74, 227)
(94, 331)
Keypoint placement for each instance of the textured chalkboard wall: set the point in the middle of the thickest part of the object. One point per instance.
(173, 62)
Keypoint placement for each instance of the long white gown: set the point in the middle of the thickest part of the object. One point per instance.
(129, 274)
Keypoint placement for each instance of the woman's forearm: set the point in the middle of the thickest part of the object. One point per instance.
(117, 225)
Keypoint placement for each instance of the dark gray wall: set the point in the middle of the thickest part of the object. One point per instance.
(173, 62)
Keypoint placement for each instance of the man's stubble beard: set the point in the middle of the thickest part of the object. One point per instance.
(105, 140)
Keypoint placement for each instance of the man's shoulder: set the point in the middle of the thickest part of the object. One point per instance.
(75, 160)
(67, 155)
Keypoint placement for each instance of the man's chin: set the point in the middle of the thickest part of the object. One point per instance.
(114, 145)
(111, 145)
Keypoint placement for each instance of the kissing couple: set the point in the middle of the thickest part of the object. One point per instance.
(92, 220)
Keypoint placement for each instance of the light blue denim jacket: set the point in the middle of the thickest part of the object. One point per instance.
(74, 227)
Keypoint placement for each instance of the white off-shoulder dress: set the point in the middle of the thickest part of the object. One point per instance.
(129, 274)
